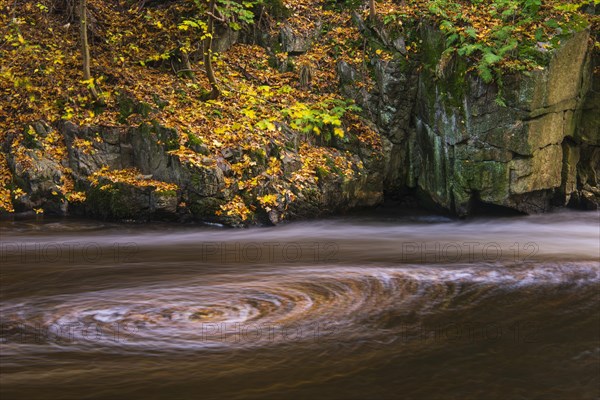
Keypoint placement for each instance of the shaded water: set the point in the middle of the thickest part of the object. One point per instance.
(365, 307)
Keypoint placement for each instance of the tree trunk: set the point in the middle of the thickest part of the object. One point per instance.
(372, 14)
(85, 47)
(210, 74)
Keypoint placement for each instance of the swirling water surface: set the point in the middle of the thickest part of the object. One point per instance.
(365, 307)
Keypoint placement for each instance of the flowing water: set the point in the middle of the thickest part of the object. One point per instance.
(365, 307)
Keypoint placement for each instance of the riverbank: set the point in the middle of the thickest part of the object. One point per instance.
(322, 110)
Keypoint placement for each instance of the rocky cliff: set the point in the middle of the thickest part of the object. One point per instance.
(166, 187)
(450, 140)
(430, 127)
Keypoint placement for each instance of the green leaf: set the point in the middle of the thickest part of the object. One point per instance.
(447, 26)
(265, 125)
(485, 73)
(490, 58)
(471, 32)
(510, 46)
(451, 39)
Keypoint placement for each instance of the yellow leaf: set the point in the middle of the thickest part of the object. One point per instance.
(249, 113)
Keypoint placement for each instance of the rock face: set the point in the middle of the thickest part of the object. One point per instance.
(444, 136)
(38, 174)
(450, 140)
(294, 43)
(201, 188)
(470, 149)
(581, 168)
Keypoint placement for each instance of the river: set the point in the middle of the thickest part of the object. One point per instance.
(371, 306)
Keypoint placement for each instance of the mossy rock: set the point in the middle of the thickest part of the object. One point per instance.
(277, 9)
(205, 207)
(118, 201)
(122, 201)
(128, 106)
